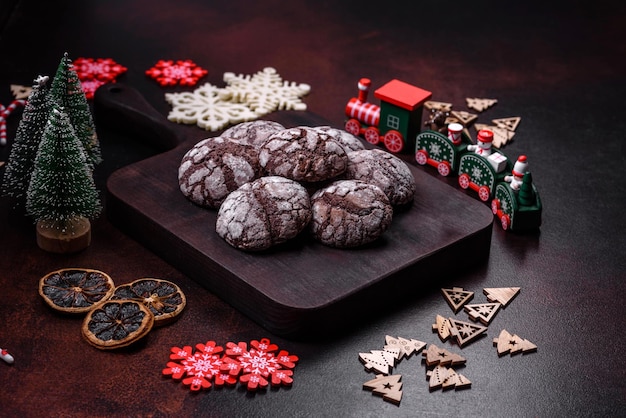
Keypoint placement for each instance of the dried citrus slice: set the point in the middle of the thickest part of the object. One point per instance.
(117, 323)
(75, 290)
(164, 299)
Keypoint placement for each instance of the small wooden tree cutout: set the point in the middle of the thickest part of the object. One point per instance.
(435, 356)
(480, 104)
(464, 117)
(379, 360)
(483, 312)
(436, 377)
(442, 327)
(443, 378)
(407, 347)
(389, 387)
(20, 92)
(510, 124)
(465, 332)
(501, 136)
(442, 106)
(511, 343)
(456, 380)
(504, 295)
(457, 297)
(396, 352)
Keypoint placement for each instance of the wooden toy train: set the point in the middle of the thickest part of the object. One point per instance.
(396, 124)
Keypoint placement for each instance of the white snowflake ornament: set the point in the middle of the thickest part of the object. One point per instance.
(245, 98)
(265, 91)
(204, 107)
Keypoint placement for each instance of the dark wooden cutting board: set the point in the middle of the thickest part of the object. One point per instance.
(301, 288)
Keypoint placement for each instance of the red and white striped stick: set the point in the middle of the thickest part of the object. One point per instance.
(4, 114)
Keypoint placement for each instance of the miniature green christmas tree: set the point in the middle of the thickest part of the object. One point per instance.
(27, 138)
(526, 195)
(67, 91)
(62, 193)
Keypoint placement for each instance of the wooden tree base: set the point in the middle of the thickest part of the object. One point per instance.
(52, 237)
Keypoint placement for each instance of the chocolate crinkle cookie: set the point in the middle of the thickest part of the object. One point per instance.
(214, 167)
(384, 170)
(302, 154)
(349, 213)
(252, 133)
(263, 213)
(348, 141)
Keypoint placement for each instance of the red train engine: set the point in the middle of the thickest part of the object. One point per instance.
(396, 122)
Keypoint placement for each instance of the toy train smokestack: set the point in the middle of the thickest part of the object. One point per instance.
(359, 110)
(364, 88)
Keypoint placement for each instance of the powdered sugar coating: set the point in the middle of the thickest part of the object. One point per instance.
(214, 167)
(348, 141)
(263, 213)
(302, 154)
(384, 170)
(349, 213)
(253, 133)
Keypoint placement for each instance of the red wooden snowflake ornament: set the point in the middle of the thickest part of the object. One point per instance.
(90, 87)
(102, 69)
(255, 367)
(257, 364)
(94, 72)
(170, 73)
(199, 367)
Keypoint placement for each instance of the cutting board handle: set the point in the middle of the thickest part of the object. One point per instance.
(122, 107)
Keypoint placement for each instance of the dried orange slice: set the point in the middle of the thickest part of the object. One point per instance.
(117, 323)
(75, 290)
(164, 299)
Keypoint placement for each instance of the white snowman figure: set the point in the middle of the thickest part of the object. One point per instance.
(483, 145)
(517, 176)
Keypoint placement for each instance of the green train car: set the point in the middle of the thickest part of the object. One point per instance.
(441, 151)
(514, 198)
(482, 174)
(517, 210)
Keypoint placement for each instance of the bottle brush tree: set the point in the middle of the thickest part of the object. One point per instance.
(27, 138)
(62, 194)
(67, 91)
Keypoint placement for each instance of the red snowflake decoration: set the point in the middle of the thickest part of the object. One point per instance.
(199, 368)
(254, 368)
(170, 73)
(93, 73)
(90, 87)
(102, 69)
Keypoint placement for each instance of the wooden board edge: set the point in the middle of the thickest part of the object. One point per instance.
(295, 322)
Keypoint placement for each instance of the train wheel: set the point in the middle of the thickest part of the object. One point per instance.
(484, 193)
(505, 221)
(353, 126)
(464, 181)
(421, 156)
(495, 206)
(372, 135)
(394, 141)
(444, 168)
